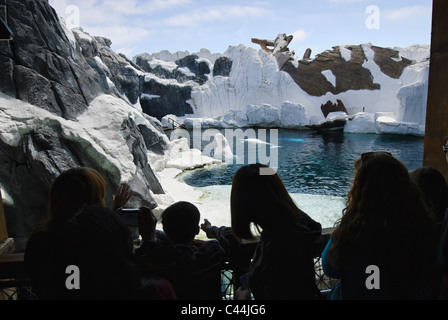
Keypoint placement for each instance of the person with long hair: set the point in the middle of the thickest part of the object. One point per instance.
(72, 190)
(80, 230)
(283, 263)
(384, 245)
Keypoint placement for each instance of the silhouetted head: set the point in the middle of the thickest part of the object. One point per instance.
(261, 199)
(99, 244)
(382, 190)
(434, 190)
(383, 200)
(181, 222)
(73, 189)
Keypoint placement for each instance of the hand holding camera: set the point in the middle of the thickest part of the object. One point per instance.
(147, 224)
(142, 218)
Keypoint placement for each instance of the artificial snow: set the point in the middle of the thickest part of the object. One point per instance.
(97, 130)
(346, 54)
(213, 202)
(330, 77)
(257, 94)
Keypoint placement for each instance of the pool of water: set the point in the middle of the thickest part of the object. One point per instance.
(315, 163)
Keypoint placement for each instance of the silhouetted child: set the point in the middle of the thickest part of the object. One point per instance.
(193, 266)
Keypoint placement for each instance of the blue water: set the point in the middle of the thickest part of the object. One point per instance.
(318, 163)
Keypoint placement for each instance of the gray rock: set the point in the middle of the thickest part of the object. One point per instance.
(42, 67)
(329, 107)
(200, 69)
(222, 67)
(7, 75)
(137, 147)
(35, 89)
(162, 72)
(165, 99)
(307, 54)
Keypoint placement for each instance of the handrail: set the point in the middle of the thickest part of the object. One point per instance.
(13, 274)
(174, 122)
(3, 230)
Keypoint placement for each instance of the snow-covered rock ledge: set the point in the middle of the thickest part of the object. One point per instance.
(382, 123)
(169, 166)
(292, 116)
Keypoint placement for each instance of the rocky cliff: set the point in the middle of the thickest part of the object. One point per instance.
(67, 100)
(351, 78)
(361, 78)
(346, 64)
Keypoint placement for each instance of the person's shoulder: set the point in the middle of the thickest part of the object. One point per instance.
(40, 236)
(207, 247)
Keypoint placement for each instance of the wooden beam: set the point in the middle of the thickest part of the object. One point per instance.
(436, 135)
(264, 44)
(12, 266)
(3, 232)
(7, 246)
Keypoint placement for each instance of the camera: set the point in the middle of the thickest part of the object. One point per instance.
(130, 216)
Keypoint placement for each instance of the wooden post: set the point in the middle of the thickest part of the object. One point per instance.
(436, 135)
(3, 232)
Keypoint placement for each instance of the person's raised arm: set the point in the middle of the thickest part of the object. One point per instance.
(121, 197)
(147, 224)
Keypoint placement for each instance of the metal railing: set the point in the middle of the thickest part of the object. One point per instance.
(323, 282)
(15, 285)
(17, 289)
(175, 124)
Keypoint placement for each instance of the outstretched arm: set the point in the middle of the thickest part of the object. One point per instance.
(121, 197)
(224, 235)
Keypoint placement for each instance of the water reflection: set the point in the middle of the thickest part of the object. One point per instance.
(319, 163)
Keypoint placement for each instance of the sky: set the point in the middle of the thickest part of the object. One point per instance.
(148, 26)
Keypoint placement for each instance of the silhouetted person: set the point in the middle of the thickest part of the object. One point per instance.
(435, 195)
(193, 266)
(384, 246)
(283, 263)
(443, 260)
(81, 232)
(434, 191)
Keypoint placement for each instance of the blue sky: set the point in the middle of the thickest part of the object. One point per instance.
(137, 26)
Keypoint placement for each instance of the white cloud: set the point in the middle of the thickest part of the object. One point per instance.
(297, 43)
(135, 7)
(346, 1)
(219, 13)
(136, 26)
(124, 22)
(407, 12)
(299, 36)
(127, 51)
(120, 35)
(113, 12)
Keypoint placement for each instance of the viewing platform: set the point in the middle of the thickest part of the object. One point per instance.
(16, 285)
